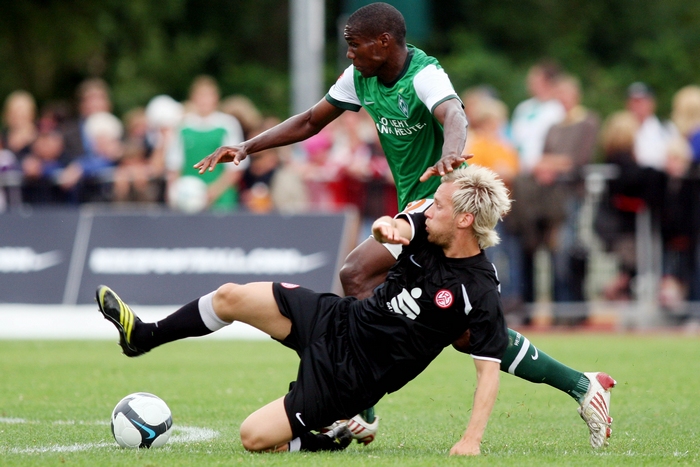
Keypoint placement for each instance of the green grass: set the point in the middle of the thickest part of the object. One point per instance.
(56, 397)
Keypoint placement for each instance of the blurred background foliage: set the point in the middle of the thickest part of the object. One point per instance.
(147, 47)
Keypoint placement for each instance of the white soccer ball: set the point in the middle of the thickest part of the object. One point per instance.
(188, 194)
(141, 420)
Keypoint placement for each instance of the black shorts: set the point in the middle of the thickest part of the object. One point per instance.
(323, 391)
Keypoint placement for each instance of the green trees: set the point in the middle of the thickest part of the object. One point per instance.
(147, 47)
(607, 44)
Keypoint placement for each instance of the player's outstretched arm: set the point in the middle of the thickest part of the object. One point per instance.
(487, 374)
(294, 129)
(454, 123)
(386, 229)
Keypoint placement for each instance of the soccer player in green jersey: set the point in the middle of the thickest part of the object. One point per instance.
(422, 129)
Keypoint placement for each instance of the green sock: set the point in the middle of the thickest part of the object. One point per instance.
(525, 361)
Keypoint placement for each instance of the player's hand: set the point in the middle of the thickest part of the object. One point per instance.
(445, 165)
(465, 448)
(383, 232)
(233, 154)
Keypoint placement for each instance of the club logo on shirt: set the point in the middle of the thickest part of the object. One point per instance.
(403, 106)
(443, 298)
(287, 285)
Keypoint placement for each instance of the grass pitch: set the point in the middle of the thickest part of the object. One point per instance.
(56, 398)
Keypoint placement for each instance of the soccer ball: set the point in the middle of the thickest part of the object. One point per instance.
(141, 420)
(188, 194)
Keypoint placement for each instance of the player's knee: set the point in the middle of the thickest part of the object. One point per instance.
(225, 299)
(252, 439)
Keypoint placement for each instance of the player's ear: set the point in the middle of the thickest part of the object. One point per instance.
(465, 219)
(384, 39)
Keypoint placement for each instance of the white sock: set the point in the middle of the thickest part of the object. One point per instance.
(206, 311)
(295, 445)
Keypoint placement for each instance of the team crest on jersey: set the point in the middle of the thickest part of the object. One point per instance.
(403, 106)
(287, 285)
(444, 298)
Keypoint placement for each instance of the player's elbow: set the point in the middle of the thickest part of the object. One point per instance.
(351, 278)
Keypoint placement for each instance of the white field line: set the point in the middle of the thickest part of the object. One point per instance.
(180, 434)
(85, 322)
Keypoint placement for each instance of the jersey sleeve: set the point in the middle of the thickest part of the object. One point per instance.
(417, 221)
(342, 94)
(433, 87)
(488, 336)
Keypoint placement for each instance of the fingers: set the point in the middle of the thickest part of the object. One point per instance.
(444, 165)
(389, 234)
(223, 154)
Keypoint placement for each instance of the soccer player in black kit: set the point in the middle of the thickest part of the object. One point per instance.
(353, 352)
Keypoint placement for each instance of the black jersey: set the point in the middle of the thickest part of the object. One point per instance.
(353, 351)
(425, 304)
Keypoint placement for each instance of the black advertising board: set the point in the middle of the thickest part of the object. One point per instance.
(159, 257)
(35, 252)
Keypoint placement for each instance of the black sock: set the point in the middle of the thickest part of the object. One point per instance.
(185, 322)
(313, 442)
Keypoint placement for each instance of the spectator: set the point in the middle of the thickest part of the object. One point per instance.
(89, 176)
(487, 117)
(163, 115)
(19, 124)
(686, 117)
(242, 109)
(202, 131)
(533, 117)
(41, 169)
(321, 173)
(8, 176)
(652, 136)
(268, 183)
(634, 189)
(93, 97)
(679, 226)
(137, 176)
(485, 141)
(569, 146)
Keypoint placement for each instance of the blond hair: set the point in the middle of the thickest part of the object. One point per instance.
(686, 109)
(15, 97)
(618, 132)
(482, 193)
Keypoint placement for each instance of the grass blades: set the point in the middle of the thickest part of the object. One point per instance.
(56, 398)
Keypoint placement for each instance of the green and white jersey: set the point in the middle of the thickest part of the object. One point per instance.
(198, 137)
(402, 111)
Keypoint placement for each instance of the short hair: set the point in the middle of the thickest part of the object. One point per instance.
(91, 84)
(686, 109)
(549, 68)
(377, 18)
(203, 81)
(618, 134)
(482, 193)
(103, 124)
(18, 96)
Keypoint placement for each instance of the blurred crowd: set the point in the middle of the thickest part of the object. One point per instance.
(545, 150)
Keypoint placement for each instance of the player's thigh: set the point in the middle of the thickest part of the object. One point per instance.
(267, 428)
(252, 304)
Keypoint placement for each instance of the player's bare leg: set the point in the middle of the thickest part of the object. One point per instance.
(253, 304)
(267, 429)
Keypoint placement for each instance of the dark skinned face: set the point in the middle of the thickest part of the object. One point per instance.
(368, 55)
